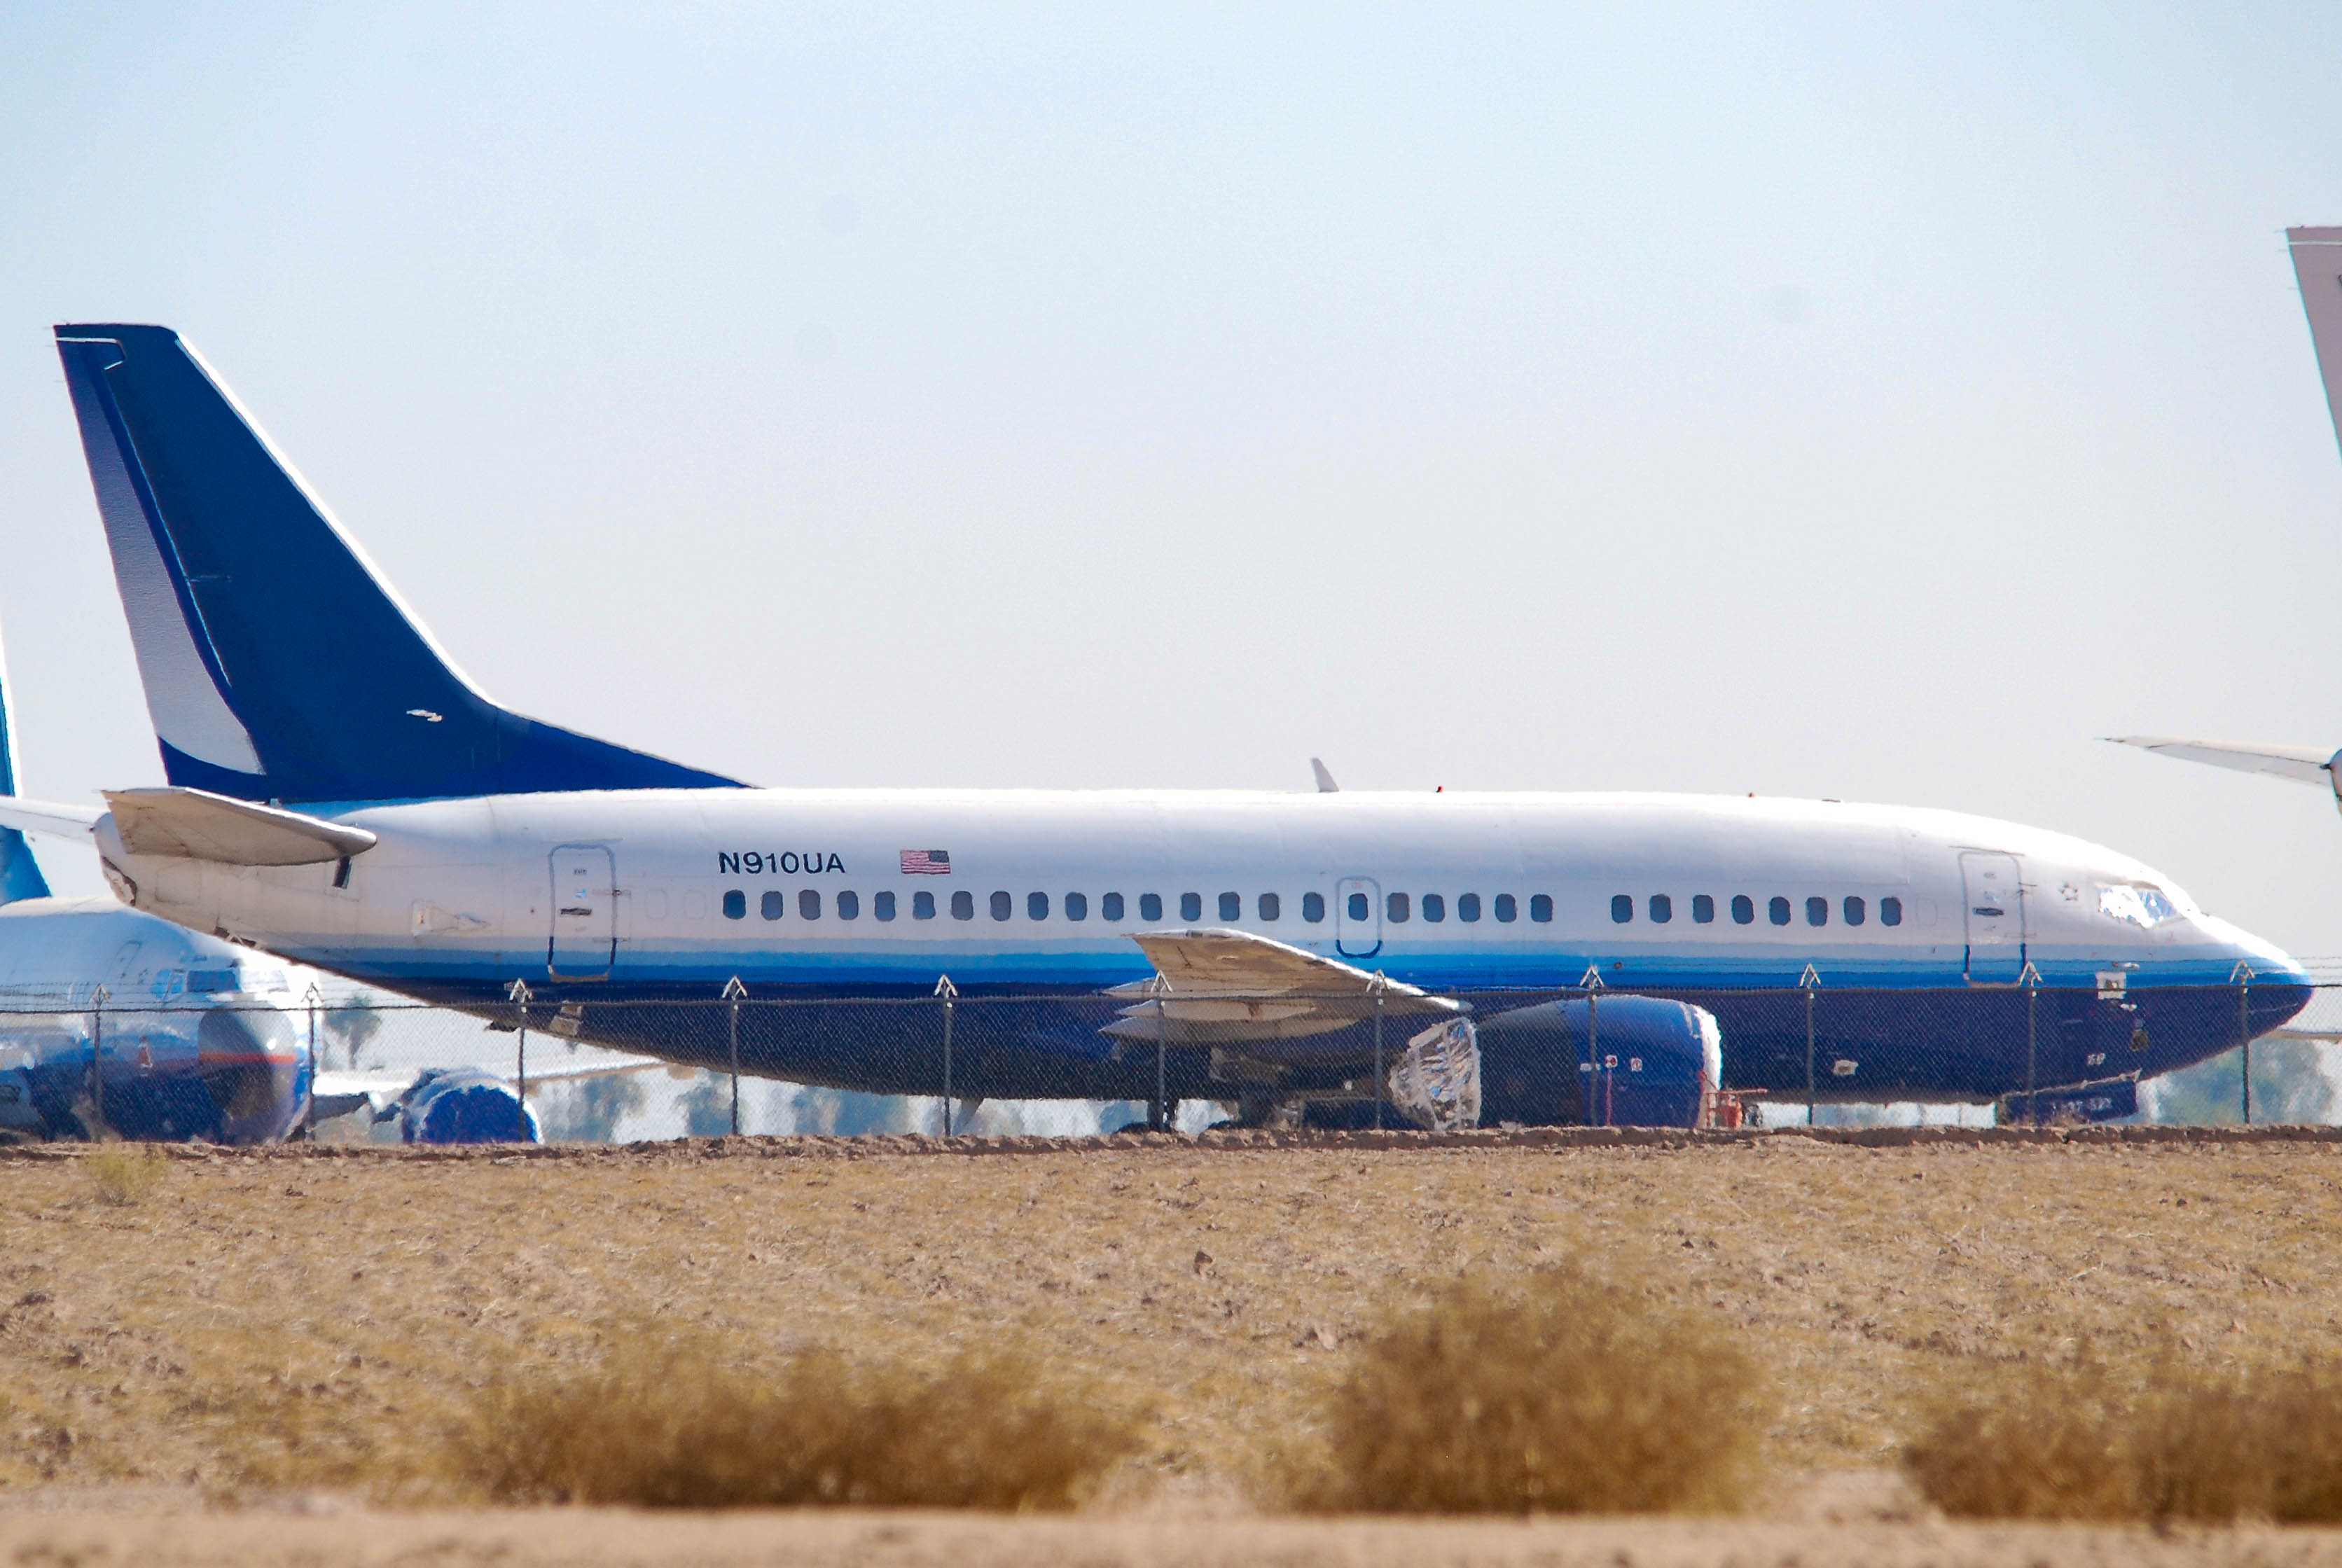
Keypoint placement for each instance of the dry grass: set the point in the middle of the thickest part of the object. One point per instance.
(123, 1173)
(2181, 1441)
(666, 1428)
(1555, 1392)
(290, 1320)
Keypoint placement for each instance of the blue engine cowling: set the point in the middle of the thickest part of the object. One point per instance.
(1654, 1057)
(463, 1105)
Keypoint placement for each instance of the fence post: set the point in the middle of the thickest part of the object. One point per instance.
(946, 991)
(2031, 980)
(521, 997)
(1590, 983)
(2242, 978)
(1376, 986)
(97, 1001)
(1158, 1110)
(1809, 982)
(735, 993)
(309, 1115)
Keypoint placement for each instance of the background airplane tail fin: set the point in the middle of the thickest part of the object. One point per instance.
(20, 873)
(277, 664)
(2317, 266)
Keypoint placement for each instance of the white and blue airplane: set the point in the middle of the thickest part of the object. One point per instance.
(340, 793)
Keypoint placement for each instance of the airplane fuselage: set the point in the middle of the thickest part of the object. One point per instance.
(1921, 929)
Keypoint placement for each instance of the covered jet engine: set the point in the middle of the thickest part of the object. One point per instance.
(462, 1105)
(1643, 1060)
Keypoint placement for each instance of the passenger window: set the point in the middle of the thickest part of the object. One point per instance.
(963, 906)
(1077, 906)
(736, 906)
(1036, 906)
(1191, 906)
(1890, 912)
(1397, 907)
(1854, 911)
(1231, 907)
(1434, 908)
(770, 906)
(1622, 908)
(809, 904)
(1541, 908)
(882, 906)
(1271, 906)
(1744, 909)
(1150, 907)
(1818, 912)
(1467, 907)
(1358, 906)
(1663, 909)
(1703, 909)
(1507, 910)
(1313, 907)
(1778, 911)
(923, 905)
(1003, 906)
(849, 904)
(1110, 906)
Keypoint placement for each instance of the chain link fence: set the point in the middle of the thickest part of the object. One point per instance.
(599, 1067)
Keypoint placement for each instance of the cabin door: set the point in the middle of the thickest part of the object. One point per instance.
(585, 913)
(1357, 917)
(1995, 909)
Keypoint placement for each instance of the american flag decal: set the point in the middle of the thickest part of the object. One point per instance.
(926, 863)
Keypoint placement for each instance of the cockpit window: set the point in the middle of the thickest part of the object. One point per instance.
(2140, 902)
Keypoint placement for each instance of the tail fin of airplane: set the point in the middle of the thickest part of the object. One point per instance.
(277, 664)
(2317, 266)
(20, 873)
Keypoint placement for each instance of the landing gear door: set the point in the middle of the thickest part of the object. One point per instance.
(585, 913)
(1994, 911)
(1357, 917)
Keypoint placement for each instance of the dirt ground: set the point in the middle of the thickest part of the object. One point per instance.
(281, 1329)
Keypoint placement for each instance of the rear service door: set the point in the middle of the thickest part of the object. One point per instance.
(1994, 907)
(585, 913)
(1357, 917)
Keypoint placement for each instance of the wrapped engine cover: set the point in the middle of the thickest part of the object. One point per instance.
(1629, 1061)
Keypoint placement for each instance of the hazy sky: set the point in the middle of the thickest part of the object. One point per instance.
(1873, 403)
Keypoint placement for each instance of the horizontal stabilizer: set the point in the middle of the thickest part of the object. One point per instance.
(2303, 765)
(195, 825)
(1220, 986)
(47, 816)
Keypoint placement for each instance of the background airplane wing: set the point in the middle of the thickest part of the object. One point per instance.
(47, 816)
(2303, 765)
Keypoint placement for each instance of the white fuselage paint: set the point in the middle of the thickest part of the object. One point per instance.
(463, 897)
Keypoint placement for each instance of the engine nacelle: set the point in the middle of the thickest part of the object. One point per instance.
(1652, 1059)
(463, 1105)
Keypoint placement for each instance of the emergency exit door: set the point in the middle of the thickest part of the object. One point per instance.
(1357, 917)
(585, 913)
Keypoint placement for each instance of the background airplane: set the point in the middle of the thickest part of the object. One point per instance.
(440, 843)
(2317, 268)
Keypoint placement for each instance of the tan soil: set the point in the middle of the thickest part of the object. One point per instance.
(270, 1324)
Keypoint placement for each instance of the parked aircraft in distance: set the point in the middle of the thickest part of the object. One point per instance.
(2317, 268)
(341, 794)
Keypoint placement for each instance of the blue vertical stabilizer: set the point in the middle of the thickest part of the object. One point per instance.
(276, 665)
(20, 873)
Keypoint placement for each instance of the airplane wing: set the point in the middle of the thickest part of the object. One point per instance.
(201, 825)
(1219, 987)
(2302, 765)
(47, 816)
